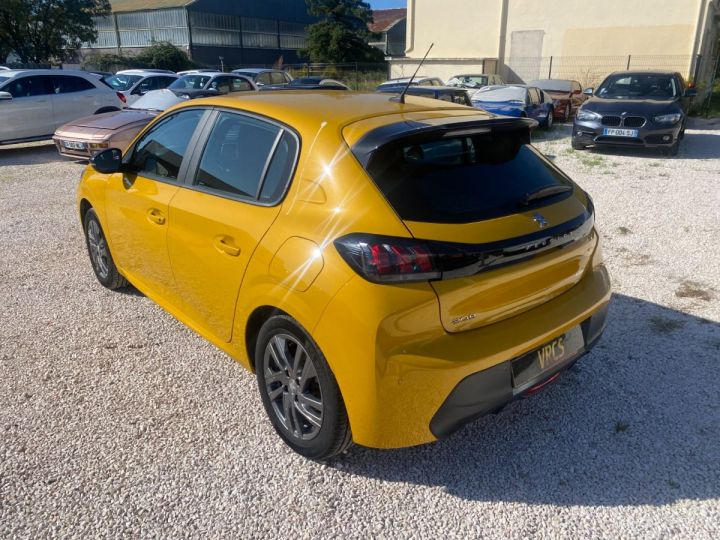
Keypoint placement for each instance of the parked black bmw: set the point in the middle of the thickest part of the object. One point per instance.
(635, 108)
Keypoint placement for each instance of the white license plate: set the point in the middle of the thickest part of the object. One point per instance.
(614, 132)
(72, 145)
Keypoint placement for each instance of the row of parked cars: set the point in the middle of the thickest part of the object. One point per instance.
(629, 108)
(85, 112)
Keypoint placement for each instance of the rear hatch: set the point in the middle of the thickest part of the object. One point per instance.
(507, 230)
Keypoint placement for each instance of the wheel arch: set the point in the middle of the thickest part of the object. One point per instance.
(255, 321)
(84, 207)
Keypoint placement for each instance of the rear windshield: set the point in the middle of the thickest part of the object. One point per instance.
(463, 179)
(553, 85)
(122, 83)
(503, 93)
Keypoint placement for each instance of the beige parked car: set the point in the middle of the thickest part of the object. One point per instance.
(84, 137)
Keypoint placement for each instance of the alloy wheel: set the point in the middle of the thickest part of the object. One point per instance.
(98, 249)
(292, 386)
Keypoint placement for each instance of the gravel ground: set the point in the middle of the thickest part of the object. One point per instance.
(116, 420)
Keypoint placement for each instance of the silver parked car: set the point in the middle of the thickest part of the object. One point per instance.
(35, 102)
(135, 83)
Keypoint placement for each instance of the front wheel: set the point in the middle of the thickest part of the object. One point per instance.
(102, 262)
(299, 391)
(672, 150)
(577, 145)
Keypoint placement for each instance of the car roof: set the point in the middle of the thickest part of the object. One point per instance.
(13, 72)
(644, 72)
(474, 75)
(145, 72)
(308, 110)
(207, 73)
(257, 70)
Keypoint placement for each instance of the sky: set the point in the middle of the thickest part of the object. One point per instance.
(385, 4)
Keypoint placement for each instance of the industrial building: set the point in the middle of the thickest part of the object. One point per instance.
(242, 32)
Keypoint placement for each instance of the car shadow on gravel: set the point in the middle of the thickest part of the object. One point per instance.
(40, 154)
(636, 422)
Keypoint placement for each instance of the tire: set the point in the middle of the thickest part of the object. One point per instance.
(308, 412)
(577, 145)
(549, 120)
(102, 262)
(566, 116)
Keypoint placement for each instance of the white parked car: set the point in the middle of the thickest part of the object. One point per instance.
(35, 102)
(134, 83)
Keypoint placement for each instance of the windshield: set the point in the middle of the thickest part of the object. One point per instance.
(472, 81)
(3, 80)
(463, 179)
(159, 100)
(194, 81)
(122, 83)
(639, 86)
(553, 86)
(505, 93)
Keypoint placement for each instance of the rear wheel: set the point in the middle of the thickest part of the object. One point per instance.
(566, 116)
(106, 109)
(549, 120)
(299, 391)
(102, 262)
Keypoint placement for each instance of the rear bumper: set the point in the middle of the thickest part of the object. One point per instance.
(397, 367)
(649, 136)
(490, 390)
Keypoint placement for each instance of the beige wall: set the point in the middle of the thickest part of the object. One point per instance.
(586, 38)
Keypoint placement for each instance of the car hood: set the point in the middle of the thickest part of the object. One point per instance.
(111, 120)
(644, 107)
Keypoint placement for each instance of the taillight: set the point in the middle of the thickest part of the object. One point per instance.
(122, 97)
(383, 259)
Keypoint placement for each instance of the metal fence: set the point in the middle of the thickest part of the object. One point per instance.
(591, 70)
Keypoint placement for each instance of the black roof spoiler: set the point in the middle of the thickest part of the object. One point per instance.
(364, 148)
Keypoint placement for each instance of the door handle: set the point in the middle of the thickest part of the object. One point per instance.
(156, 216)
(225, 244)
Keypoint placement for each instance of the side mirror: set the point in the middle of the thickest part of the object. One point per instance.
(690, 92)
(5, 96)
(108, 161)
(589, 91)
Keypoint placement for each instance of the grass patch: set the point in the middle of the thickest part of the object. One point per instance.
(624, 230)
(664, 325)
(591, 161)
(621, 427)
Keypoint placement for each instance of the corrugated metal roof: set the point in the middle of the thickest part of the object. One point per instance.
(144, 5)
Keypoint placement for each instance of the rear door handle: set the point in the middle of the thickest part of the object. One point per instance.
(156, 216)
(225, 244)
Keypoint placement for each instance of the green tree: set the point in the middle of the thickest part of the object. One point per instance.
(164, 55)
(342, 33)
(44, 30)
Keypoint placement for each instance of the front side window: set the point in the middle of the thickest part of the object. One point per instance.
(39, 85)
(160, 152)
(190, 82)
(246, 157)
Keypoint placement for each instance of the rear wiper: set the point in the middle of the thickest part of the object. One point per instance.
(543, 192)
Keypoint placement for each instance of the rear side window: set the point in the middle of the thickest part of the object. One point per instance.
(277, 78)
(463, 179)
(160, 152)
(248, 158)
(66, 84)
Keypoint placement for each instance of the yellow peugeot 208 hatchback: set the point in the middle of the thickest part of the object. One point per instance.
(390, 271)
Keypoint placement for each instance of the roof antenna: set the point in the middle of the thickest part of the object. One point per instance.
(401, 97)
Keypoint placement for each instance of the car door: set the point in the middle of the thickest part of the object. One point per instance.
(74, 97)
(29, 113)
(535, 108)
(216, 223)
(137, 199)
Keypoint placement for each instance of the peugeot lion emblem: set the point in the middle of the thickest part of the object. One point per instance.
(540, 220)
